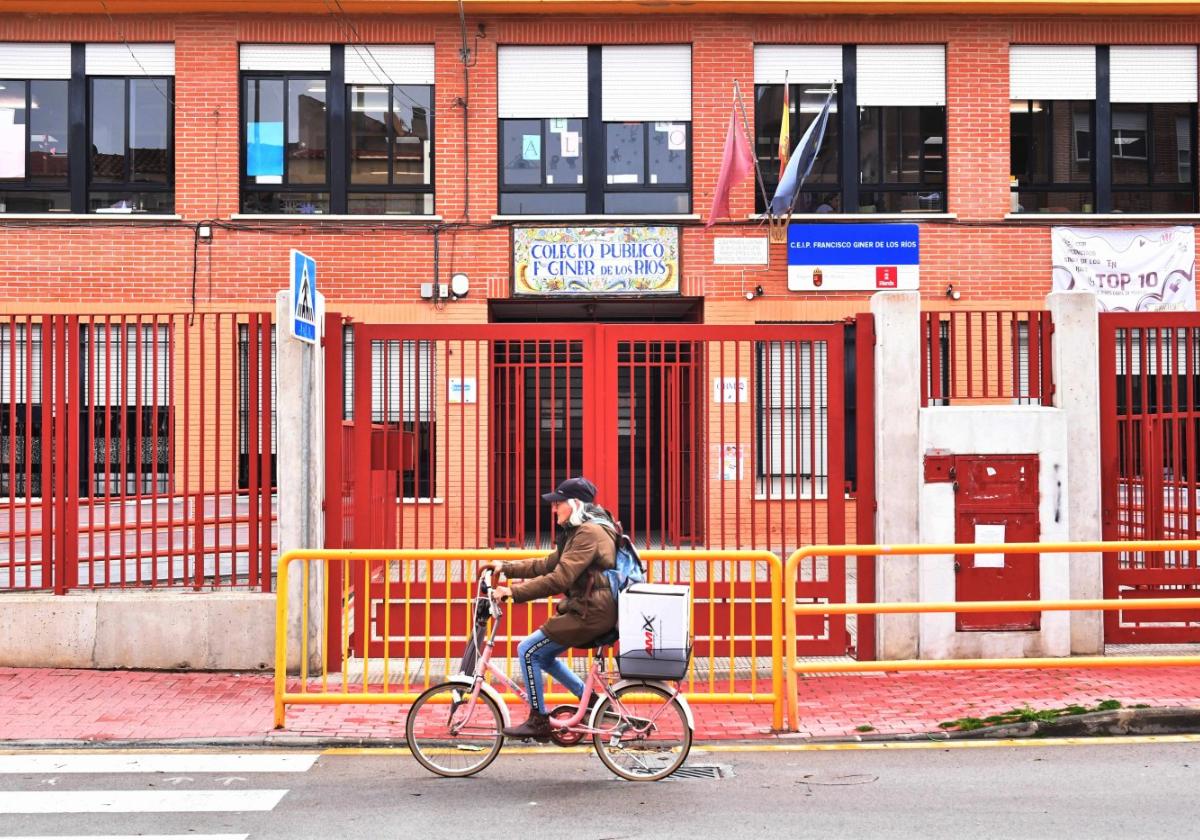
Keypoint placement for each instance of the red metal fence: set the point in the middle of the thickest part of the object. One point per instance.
(982, 357)
(136, 451)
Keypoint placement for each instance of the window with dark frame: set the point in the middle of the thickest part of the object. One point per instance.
(391, 149)
(130, 128)
(34, 145)
(575, 165)
(1140, 159)
(874, 158)
(285, 130)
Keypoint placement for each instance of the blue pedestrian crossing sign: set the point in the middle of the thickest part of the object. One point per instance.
(304, 297)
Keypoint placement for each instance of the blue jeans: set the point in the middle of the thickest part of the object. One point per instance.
(540, 653)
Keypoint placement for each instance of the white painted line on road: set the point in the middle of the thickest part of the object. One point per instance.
(136, 801)
(157, 763)
(131, 837)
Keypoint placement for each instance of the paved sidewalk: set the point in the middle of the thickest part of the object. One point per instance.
(49, 704)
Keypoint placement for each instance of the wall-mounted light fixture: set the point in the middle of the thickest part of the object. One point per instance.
(757, 291)
(953, 293)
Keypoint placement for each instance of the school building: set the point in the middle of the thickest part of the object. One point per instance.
(505, 204)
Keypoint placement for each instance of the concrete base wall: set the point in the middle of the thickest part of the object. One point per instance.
(201, 631)
(995, 431)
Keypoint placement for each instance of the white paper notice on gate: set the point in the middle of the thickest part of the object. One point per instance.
(1129, 269)
(989, 535)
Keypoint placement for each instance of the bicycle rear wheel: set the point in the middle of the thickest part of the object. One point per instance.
(632, 746)
(433, 741)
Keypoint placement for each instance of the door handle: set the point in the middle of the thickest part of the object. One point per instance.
(957, 567)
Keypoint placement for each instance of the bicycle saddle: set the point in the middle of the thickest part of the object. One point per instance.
(602, 641)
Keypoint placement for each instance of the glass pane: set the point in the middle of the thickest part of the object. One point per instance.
(625, 153)
(819, 201)
(902, 158)
(812, 100)
(411, 109)
(369, 113)
(668, 153)
(564, 152)
(869, 163)
(521, 152)
(14, 201)
(1130, 164)
(1172, 123)
(150, 130)
(108, 119)
(556, 203)
(768, 108)
(264, 130)
(12, 129)
(306, 145)
(1033, 201)
(933, 145)
(129, 201)
(933, 201)
(1144, 201)
(284, 202)
(645, 202)
(48, 130)
(390, 204)
(1072, 141)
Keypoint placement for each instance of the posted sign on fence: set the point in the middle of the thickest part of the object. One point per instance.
(853, 257)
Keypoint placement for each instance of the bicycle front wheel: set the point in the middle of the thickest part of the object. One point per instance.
(450, 734)
(646, 739)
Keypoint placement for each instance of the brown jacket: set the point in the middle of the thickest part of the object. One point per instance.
(589, 610)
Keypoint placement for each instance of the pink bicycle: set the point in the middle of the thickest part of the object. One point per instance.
(641, 729)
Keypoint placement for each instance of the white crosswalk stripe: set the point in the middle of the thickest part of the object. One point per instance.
(196, 783)
(132, 837)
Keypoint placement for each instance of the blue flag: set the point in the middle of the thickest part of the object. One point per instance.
(802, 160)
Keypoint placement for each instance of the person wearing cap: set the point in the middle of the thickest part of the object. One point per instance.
(586, 546)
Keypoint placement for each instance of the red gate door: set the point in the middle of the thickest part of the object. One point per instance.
(1149, 441)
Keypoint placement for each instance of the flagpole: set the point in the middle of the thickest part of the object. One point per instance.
(737, 96)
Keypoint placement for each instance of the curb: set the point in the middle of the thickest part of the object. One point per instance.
(1179, 720)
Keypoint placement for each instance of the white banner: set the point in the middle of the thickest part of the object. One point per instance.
(1129, 269)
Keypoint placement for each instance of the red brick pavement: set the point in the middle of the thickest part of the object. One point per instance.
(48, 704)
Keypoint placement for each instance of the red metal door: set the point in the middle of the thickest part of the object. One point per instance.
(1149, 438)
(996, 501)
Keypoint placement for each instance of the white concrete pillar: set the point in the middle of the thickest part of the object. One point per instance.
(897, 462)
(1076, 357)
(300, 441)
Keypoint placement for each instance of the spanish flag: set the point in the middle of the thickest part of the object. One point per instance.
(785, 131)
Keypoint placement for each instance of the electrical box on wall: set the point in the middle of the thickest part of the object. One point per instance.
(996, 501)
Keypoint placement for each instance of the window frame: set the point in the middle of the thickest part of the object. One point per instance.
(594, 153)
(771, 164)
(391, 188)
(1192, 189)
(28, 183)
(919, 186)
(167, 188)
(244, 184)
(1090, 186)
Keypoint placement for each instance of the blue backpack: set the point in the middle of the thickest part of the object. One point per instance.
(629, 569)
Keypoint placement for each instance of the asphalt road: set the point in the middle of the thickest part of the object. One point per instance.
(1100, 790)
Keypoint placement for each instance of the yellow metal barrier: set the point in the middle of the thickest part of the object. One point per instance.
(793, 609)
(408, 581)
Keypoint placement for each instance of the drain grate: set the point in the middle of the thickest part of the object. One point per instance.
(702, 771)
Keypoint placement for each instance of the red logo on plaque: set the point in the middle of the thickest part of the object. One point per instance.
(885, 277)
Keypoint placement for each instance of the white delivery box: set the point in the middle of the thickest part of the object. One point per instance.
(655, 628)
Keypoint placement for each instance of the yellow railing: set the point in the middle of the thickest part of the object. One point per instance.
(793, 609)
(428, 586)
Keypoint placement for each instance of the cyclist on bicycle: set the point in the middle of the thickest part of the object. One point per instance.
(586, 547)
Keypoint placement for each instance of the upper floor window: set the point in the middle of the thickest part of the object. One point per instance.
(122, 104)
(1103, 129)
(337, 129)
(884, 149)
(561, 153)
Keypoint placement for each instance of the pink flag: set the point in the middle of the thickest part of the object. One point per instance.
(736, 163)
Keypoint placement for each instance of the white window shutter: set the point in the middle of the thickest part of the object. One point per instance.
(1051, 72)
(129, 59)
(305, 58)
(647, 83)
(910, 74)
(383, 64)
(542, 82)
(20, 364)
(1152, 74)
(35, 61)
(807, 64)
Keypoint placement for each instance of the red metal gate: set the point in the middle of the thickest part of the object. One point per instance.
(1149, 436)
(697, 435)
(136, 451)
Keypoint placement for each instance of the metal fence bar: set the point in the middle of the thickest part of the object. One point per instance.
(989, 364)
